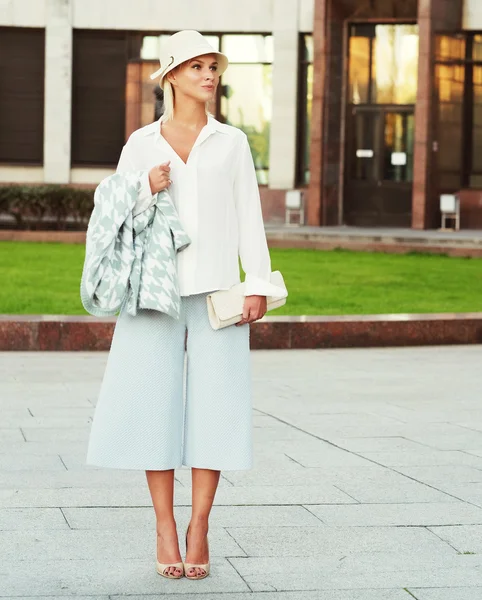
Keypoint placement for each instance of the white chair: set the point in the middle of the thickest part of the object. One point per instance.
(294, 203)
(450, 209)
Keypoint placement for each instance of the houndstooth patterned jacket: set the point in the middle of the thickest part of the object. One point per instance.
(131, 259)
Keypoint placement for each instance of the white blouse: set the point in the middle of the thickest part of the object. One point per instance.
(217, 198)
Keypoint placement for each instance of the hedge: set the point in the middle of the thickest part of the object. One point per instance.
(45, 207)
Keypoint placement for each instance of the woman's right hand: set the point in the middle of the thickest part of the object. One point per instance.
(159, 177)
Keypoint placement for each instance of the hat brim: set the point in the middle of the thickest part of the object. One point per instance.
(222, 62)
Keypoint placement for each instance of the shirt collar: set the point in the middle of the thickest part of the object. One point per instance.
(212, 126)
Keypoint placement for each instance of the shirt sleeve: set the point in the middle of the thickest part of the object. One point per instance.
(253, 246)
(145, 197)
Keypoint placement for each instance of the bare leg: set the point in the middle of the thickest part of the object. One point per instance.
(161, 487)
(204, 486)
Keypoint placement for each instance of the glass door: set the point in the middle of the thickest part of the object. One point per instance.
(382, 90)
(379, 167)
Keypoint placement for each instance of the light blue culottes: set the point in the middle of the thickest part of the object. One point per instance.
(160, 407)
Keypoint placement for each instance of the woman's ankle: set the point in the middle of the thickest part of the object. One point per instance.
(165, 524)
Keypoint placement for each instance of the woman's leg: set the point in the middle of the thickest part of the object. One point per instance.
(218, 413)
(161, 487)
(204, 486)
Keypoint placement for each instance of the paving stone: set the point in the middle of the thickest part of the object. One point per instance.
(109, 576)
(439, 474)
(306, 541)
(15, 519)
(11, 435)
(274, 494)
(378, 444)
(44, 497)
(39, 434)
(221, 516)
(56, 544)
(22, 447)
(369, 570)
(383, 485)
(470, 492)
(465, 538)
(427, 457)
(15, 464)
(390, 515)
(51, 422)
(452, 593)
(79, 413)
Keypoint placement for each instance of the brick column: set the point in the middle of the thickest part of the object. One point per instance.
(433, 16)
(422, 156)
(326, 121)
(320, 27)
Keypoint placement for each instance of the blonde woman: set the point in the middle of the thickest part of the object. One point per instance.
(140, 420)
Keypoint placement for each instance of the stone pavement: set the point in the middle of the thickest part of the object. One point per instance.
(367, 485)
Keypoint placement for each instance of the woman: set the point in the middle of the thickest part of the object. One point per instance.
(139, 422)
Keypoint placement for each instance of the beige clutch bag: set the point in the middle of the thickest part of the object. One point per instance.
(225, 307)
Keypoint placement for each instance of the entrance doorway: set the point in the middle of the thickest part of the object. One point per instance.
(378, 189)
(380, 125)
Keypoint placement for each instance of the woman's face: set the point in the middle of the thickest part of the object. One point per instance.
(197, 78)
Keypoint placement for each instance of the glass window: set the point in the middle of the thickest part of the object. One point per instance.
(305, 109)
(359, 70)
(248, 48)
(246, 93)
(307, 125)
(308, 48)
(477, 47)
(450, 92)
(151, 45)
(395, 63)
(398, 147)
(450, 47)
(383, 64)
(246, 103)
(477, 127)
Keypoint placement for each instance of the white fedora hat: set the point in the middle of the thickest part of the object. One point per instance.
(183, 46)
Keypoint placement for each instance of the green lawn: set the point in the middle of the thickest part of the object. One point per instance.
(44, 278)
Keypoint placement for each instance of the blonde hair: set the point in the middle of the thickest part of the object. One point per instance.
(168, 99)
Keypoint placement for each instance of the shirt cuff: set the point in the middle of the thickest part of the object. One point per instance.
(145, 198)
(256, 286)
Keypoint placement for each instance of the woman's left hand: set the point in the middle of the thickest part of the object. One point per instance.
(254, 308)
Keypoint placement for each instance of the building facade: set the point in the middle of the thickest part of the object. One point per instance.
(371, 107)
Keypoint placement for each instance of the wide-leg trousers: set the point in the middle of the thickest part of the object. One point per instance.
(164, 403)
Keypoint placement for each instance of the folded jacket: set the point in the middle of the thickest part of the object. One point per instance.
(131, 259)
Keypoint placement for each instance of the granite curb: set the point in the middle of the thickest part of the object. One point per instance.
(85, 333)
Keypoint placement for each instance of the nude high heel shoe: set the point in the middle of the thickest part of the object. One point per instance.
(162, 567)
(188, 566)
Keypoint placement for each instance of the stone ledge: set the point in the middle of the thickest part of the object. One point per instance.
(393, 241)
(85, 333)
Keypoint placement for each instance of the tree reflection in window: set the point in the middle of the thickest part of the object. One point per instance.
(246, 93)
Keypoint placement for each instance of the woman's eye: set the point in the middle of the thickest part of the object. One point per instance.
(214, 67)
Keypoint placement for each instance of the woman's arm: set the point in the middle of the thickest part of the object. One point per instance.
(253, 246)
